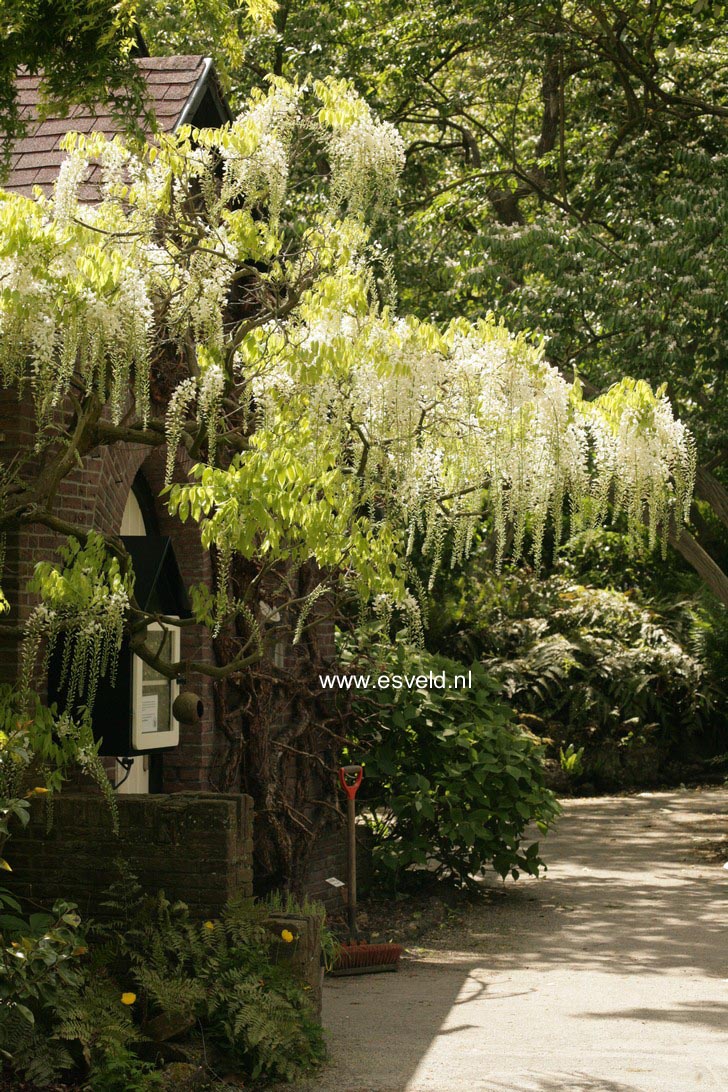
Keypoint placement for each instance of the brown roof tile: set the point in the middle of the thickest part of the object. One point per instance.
(37, 157)
(46, 176)
(171, 64)
(39, 143)
(33, 159)
(25, 180)
(174, 91)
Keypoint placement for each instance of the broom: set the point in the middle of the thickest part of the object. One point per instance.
(356, 956)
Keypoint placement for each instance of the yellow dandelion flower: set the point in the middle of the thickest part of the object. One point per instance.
(287, 935)
(128, 998)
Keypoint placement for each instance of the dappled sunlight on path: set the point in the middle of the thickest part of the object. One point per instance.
(608, 975)
(624, 892)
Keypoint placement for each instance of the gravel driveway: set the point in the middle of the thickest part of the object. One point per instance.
(610, 974)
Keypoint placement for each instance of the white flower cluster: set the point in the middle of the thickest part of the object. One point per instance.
(91, 643)
(86, 290)
(179, 404)
(367, 158)
(71, 304)
(443, 428)
(209, 402)
(645, 459)
(72, 172)
(422, 430)
(255, 150)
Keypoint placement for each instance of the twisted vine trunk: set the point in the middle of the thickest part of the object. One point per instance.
(282, 737)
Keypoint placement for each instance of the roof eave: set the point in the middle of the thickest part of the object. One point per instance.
(207, 79)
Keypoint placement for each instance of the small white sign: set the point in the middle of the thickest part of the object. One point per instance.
(335, 883)
(150, 713)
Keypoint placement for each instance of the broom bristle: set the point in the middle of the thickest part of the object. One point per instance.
(361, 957)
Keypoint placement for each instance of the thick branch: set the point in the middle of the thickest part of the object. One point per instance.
(183, 668)
(708, 488)
(709, 572)
(106, 433)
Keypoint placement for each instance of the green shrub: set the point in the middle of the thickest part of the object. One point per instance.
(59, 1012)
(38, 748)
(40, 973)
(592, 668)
(571, 760)
(220, 978)
(81, 1003)
(45, 1024)
(84, 1006)
(119, 1070)
(451, 781)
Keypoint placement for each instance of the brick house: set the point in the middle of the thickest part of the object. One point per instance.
(118, 486)
(116, 491)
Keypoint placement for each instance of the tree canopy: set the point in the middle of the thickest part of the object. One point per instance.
(347, 317)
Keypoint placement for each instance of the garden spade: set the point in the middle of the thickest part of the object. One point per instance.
(358, 957)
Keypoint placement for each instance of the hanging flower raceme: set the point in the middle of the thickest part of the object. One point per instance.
(71, 306)
(645, 458)
(436, 429)
(84, 600)
(366, 154)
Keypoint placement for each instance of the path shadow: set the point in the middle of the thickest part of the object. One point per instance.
(710, 1014)
(561, 1082)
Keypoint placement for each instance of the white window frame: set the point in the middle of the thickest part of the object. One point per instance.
(152, 741)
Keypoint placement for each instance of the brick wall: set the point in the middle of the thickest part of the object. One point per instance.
(329, 858)
(94, 496)
(197, 847)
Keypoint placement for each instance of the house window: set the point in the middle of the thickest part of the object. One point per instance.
(153, 695)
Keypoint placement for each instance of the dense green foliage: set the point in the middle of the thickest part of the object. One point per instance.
(38, 748)
(451, 780)
(93, 1003)
(40, 969)
(565, 161)
(635, 682)
(81, 999)
(223, 977)
(565, 167)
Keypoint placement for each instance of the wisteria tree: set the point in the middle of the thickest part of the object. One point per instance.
(326, 432)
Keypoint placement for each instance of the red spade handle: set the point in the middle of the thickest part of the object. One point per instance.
(357, 772)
